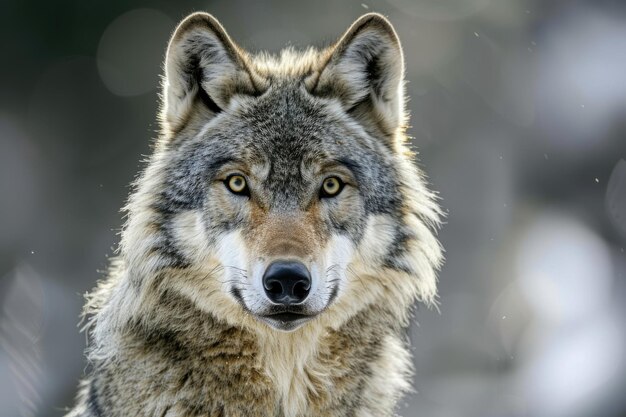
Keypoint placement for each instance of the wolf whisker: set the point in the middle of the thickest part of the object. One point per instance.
(357, 276)
(234, 267)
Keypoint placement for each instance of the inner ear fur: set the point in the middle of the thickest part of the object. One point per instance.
(365, 71)
(204, 69)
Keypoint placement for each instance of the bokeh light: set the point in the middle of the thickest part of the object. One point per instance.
(131, 51)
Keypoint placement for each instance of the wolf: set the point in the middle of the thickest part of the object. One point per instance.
(276, 240)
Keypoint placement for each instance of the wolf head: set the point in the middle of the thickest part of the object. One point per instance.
(280, 191)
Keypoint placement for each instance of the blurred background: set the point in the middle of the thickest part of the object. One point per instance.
(519, 115)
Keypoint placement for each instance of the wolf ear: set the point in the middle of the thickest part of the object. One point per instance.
(203, 69)
(365, 71)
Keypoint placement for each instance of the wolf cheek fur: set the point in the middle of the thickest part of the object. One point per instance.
(275, 242)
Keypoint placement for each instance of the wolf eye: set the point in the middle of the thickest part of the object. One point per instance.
(331, 187)
(236, 184)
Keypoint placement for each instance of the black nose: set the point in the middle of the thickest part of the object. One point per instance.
(287, 282)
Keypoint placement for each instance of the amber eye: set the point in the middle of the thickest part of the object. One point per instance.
(331, 187)
(237, 184)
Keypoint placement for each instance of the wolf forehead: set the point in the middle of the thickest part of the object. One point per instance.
(287, 134)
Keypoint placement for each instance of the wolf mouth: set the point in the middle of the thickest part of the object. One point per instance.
(286, 321)
(288, 316)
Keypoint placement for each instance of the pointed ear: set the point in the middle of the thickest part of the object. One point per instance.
(365, 71)
(204, 69)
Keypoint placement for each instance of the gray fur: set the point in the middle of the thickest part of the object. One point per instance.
(174, 328)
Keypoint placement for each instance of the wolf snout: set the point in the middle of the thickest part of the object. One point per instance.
(287, 282)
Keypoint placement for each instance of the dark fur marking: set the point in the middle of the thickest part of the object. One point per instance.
(202, 94)
(236, 292)
(92, 401)
(399, 265)
(165, 247)
(375, 75)
(398, 247)
(352, 165)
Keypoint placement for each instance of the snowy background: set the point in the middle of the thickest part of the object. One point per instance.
(519, 114)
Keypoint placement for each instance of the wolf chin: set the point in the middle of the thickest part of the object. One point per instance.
(275, 242)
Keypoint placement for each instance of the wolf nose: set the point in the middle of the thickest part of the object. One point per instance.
(287, 282)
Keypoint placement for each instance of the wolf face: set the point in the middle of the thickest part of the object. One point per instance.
(275, 241)
(280, 191)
